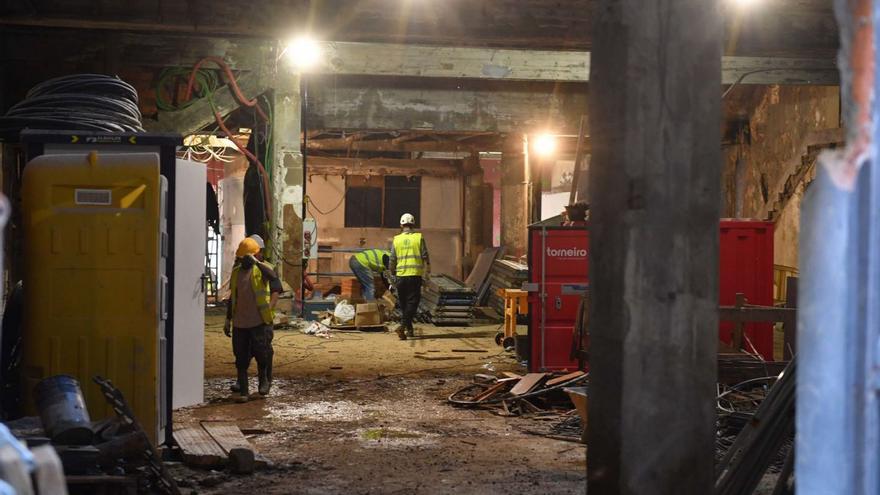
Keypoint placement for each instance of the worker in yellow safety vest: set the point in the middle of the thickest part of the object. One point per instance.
(254, 288)
(366, 265)
(410, 264)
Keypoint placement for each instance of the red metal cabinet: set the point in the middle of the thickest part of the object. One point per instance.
(558, 257)
(746, 259)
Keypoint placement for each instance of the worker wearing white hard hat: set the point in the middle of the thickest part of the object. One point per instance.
(410, 264)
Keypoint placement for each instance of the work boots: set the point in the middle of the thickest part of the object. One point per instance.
(410, 331)
(242, 387)
(400, 331)
(265, 381)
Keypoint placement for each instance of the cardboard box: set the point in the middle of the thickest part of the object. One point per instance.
(367, 315)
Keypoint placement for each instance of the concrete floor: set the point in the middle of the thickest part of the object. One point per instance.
(366, 413)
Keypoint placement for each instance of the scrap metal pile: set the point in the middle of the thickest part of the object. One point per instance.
(543, 396)
(755, 434)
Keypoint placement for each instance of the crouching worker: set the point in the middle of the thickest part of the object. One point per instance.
(254, 288)
(366, 265)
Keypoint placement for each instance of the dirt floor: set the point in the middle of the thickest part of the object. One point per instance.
(367, 413)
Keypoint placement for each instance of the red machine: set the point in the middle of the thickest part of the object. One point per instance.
(559, 264)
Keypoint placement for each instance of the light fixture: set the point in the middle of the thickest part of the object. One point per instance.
(303, 52)
(745, 3)
(545, 144)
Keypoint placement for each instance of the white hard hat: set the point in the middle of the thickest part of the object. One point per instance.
(407, 219)
(259, 241)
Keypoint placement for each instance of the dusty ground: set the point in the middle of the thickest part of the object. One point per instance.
(366, 413)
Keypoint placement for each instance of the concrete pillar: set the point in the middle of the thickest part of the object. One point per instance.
(474, 242)
(514, 196)
(655, 190)
(287, 178)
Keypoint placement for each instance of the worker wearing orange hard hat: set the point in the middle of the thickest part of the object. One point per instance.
(254, 288)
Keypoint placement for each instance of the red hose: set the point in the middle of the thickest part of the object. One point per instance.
(266, 194)
(242, 99)
(235, 89)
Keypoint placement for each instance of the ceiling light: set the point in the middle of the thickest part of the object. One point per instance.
(545, 144)
(303, 52)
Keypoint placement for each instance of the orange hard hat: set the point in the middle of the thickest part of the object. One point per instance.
(247, 246)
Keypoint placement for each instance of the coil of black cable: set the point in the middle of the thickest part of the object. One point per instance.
(93, 102)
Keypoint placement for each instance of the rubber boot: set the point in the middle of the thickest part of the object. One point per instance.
(399, 330)
(265, 383)
(242, 387)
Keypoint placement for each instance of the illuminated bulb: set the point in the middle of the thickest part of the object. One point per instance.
(303, 52)
(545, 144)
(745, 3)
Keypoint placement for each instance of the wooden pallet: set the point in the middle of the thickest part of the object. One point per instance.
(208, 444)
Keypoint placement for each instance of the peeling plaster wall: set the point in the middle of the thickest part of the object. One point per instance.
(779, 123)
(441, 224)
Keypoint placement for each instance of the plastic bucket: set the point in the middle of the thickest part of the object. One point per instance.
(63, 410)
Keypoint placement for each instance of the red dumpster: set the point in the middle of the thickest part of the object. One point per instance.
(559, 264)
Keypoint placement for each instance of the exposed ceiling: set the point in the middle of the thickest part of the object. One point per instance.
(804, 28)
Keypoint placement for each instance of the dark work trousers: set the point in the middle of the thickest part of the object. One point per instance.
(409, 293)
(253, 342)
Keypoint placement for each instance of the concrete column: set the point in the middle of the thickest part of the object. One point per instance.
(514, 196)
(287, 183)
(474, 243)
(655, 190)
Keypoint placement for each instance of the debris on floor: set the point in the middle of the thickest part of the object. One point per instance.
(545, 397)
(218, 444)
(112, 454)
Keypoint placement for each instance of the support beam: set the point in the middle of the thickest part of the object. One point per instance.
(331, 165)
(514, 196)
(200, 114)
(655, 194)
(501, 109)
(287, 175)
(342, 58)
(390, 145)
(474, 243)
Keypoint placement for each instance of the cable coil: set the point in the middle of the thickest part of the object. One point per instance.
(92, 102)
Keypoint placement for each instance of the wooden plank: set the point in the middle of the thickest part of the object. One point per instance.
(510, 374)
(564, 378)
(489, 392)
(199, 448)
(227, 435)
(527, 383)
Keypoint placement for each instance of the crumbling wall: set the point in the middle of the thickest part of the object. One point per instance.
(769, 131)
(441, 224)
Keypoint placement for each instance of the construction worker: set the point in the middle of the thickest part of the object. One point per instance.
(254, 289)
(366, 265)
(409, 263)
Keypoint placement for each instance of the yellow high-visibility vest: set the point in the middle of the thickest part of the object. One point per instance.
(372, 259)
(408, 249)
(261, 291)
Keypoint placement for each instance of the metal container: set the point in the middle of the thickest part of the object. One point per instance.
(63, 410)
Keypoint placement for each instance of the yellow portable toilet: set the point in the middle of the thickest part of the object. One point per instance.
(94, 278)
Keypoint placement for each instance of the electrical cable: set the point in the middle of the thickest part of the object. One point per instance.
(90, 102)
(311, 204)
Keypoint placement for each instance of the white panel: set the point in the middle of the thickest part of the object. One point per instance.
(190, 237)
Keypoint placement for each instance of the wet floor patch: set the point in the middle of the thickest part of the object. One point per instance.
(317, 411)
(394, 437)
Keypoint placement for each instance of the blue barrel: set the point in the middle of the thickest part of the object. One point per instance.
(63, 410)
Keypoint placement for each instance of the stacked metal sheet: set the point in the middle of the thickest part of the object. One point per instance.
(505, 274)
(448, 301)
